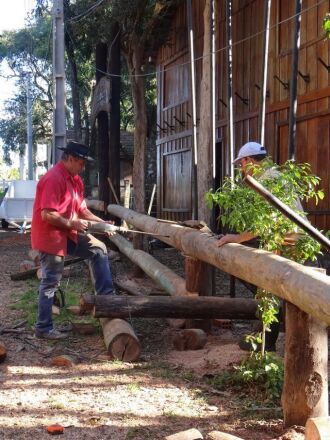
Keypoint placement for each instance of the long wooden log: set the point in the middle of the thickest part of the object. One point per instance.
(98, 205)
(33, 272)
(170, 307)
(307, 289)
(120, 340)
(165, 277)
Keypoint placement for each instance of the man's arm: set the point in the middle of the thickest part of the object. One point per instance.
(235, 238)
(86, 214)
(54, 218)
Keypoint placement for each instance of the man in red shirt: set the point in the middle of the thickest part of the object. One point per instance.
(59, 224)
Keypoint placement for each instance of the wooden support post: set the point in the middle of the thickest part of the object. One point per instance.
(120, 340)
(109, 306)
(305, 391)
(198, 276)
(318, 429)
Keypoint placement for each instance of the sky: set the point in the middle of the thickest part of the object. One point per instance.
(12, 16)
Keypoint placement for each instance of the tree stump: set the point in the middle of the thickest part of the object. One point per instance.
(190, 339)
(120, 340)
(318, 428)
(305, 391)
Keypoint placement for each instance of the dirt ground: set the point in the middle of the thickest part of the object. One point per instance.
(100, 399)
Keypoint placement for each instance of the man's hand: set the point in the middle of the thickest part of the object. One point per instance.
(79, 225)
(235, 238)
(228, 238)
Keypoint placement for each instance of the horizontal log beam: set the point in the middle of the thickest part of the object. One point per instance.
(307, 289)
(106, 306)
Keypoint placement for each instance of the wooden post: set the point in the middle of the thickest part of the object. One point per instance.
(305, 391)
(318, 429)
(198, 281)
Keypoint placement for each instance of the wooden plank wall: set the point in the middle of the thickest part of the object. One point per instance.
(313, 125)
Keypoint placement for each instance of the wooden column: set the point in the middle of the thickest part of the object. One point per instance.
(305, 391)
(198, 281)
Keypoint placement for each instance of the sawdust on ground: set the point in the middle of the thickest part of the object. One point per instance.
(99, 399)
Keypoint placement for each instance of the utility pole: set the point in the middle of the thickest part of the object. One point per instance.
(29, 127)
(59, 129)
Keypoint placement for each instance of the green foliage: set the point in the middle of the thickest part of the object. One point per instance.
(262, 375)
(326, 25)
(245, 210)
(242, 209)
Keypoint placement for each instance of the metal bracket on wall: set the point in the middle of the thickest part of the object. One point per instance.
(223, 102)
(244, 100)
(324, 64)
(306, 77)
(259, 88)
(284, 84)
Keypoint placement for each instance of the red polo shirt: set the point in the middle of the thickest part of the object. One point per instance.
(59, 191)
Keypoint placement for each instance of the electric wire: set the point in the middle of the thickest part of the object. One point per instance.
(224, 48)
(86, 13)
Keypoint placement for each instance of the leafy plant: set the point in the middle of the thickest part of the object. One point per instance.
(242, 209)
(263, 375)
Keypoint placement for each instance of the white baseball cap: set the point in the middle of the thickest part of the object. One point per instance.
(250, 149)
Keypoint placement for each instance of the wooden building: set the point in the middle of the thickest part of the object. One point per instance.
(174, 142)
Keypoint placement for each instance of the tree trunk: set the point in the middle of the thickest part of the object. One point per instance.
(204, 152)
(74, 83)
(305, 391)
(120, 340)
(108, 306)
(114, 144)
(306, 288)
(134, 57)
(102, 127)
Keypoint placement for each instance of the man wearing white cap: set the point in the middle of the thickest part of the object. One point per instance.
(252, 153)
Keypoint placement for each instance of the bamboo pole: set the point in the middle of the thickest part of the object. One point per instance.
(298, 284)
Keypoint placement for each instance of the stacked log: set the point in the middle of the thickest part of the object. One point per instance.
(108, 306)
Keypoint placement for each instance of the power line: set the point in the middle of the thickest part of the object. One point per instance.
(86, 13)
(243, 40)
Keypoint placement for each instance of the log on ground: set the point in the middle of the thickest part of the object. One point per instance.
(120, 340)
(106, 306)
(33, 272)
